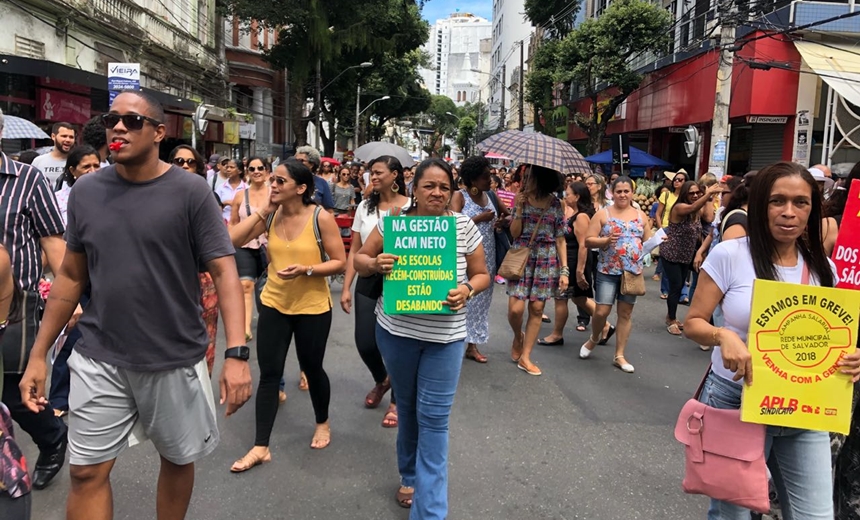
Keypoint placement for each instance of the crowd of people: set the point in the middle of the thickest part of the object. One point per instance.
(229, 237)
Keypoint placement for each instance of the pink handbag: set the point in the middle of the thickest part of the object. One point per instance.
(724, 456)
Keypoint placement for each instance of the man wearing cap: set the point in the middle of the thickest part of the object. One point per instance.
(215, 176)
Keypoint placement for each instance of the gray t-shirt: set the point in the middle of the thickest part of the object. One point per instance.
(145, 243)
(51, 168)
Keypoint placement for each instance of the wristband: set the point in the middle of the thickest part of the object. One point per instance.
(243, 353)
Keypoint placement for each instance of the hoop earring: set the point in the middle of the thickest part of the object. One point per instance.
(474, 191)
(395, 188)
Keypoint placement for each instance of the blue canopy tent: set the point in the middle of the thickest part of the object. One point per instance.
(639, 160)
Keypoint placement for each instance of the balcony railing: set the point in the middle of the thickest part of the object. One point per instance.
(124, 14)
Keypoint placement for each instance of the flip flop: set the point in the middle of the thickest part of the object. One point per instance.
(581, 328)
(609, 335)
(559, 341)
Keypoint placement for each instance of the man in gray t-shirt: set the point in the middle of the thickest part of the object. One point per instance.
(138, 232)
(53, 163)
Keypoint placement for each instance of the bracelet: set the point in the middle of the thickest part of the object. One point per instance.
(565, 271)
(716, 341)
(260, 215)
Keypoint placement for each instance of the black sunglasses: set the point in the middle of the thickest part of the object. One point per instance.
(679, 180)
(179, 161)
(280, 181)
(129, 121)
(252, 169)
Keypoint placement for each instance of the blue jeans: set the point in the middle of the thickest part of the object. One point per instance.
(799, 462)
(424, 378)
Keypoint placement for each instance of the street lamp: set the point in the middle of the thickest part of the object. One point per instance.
(453, 115)
(358, 113)
(362, 65)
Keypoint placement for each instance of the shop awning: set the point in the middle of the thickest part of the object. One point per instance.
(838, 64)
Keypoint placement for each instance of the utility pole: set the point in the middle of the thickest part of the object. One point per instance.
(521, 124)
(720, 127)
(502, 116)
(357, 115)
(318, 103)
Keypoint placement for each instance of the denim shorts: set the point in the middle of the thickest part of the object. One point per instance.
(607, 289)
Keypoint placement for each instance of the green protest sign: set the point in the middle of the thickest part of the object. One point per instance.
(427, 268)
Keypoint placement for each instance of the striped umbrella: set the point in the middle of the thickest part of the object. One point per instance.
(19, 128)
(537, 149)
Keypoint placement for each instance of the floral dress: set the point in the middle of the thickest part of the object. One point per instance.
(540, 278)
(478, 308)
(14, 479)
(626, 254)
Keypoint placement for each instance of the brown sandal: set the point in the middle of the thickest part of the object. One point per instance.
(390, 419)
(249, 461)
(474, 354)
(517, 351)
(374, 397)
(404, 498)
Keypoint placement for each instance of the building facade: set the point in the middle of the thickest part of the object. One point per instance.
(456, 54)
(54, 64)
(794, 94)
(511, 29)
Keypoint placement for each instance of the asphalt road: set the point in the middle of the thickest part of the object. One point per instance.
(583, 441)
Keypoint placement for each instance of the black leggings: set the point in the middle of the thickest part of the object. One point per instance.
(677, 275)
(274, 333)
(365, 338)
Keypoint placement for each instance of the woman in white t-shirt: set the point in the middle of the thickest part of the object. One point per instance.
(389, 193)
(424, 352)
(784, 199)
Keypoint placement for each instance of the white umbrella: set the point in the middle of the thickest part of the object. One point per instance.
(371, 151)
(19, 128)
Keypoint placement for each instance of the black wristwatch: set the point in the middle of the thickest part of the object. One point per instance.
(243, 353)
(471, 290)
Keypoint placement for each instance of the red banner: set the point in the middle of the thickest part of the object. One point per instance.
(64, 85)
(846, 254)
(63, 107)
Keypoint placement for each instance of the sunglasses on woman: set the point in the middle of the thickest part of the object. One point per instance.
(252, 169)
(131, 122)
(180, 161)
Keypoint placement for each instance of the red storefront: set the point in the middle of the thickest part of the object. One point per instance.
(682, 94)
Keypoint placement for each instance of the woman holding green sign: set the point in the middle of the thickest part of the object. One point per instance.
(424, 352)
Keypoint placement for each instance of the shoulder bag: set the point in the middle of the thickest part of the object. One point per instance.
(632, 284)
(724, 456)
(514, 264)
(371, 286)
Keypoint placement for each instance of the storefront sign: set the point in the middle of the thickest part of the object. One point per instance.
(231, 132)
(64, 85)
(62, 106)
(767, 120)
(248, 131)
(797, 336)
(846, 253)
(122, 76)
(427, 268)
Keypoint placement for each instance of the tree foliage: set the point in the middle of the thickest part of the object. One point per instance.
(439, 117)
(465, 134)
(540, 83)
(340, 34)
(556, 16)
(596, 56)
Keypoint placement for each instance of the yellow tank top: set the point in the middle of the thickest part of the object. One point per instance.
(302, 295)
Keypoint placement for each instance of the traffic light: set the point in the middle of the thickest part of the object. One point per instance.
(691, 142)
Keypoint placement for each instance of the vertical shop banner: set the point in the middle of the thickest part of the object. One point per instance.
(846, 254)
(797, 336)
(231, 132)
(427, 268)
(122, 76)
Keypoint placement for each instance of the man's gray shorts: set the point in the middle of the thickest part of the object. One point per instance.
(112, 408)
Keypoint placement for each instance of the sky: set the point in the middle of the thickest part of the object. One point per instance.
(438, 9)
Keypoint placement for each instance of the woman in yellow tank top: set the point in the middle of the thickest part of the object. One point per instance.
(296, 299)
